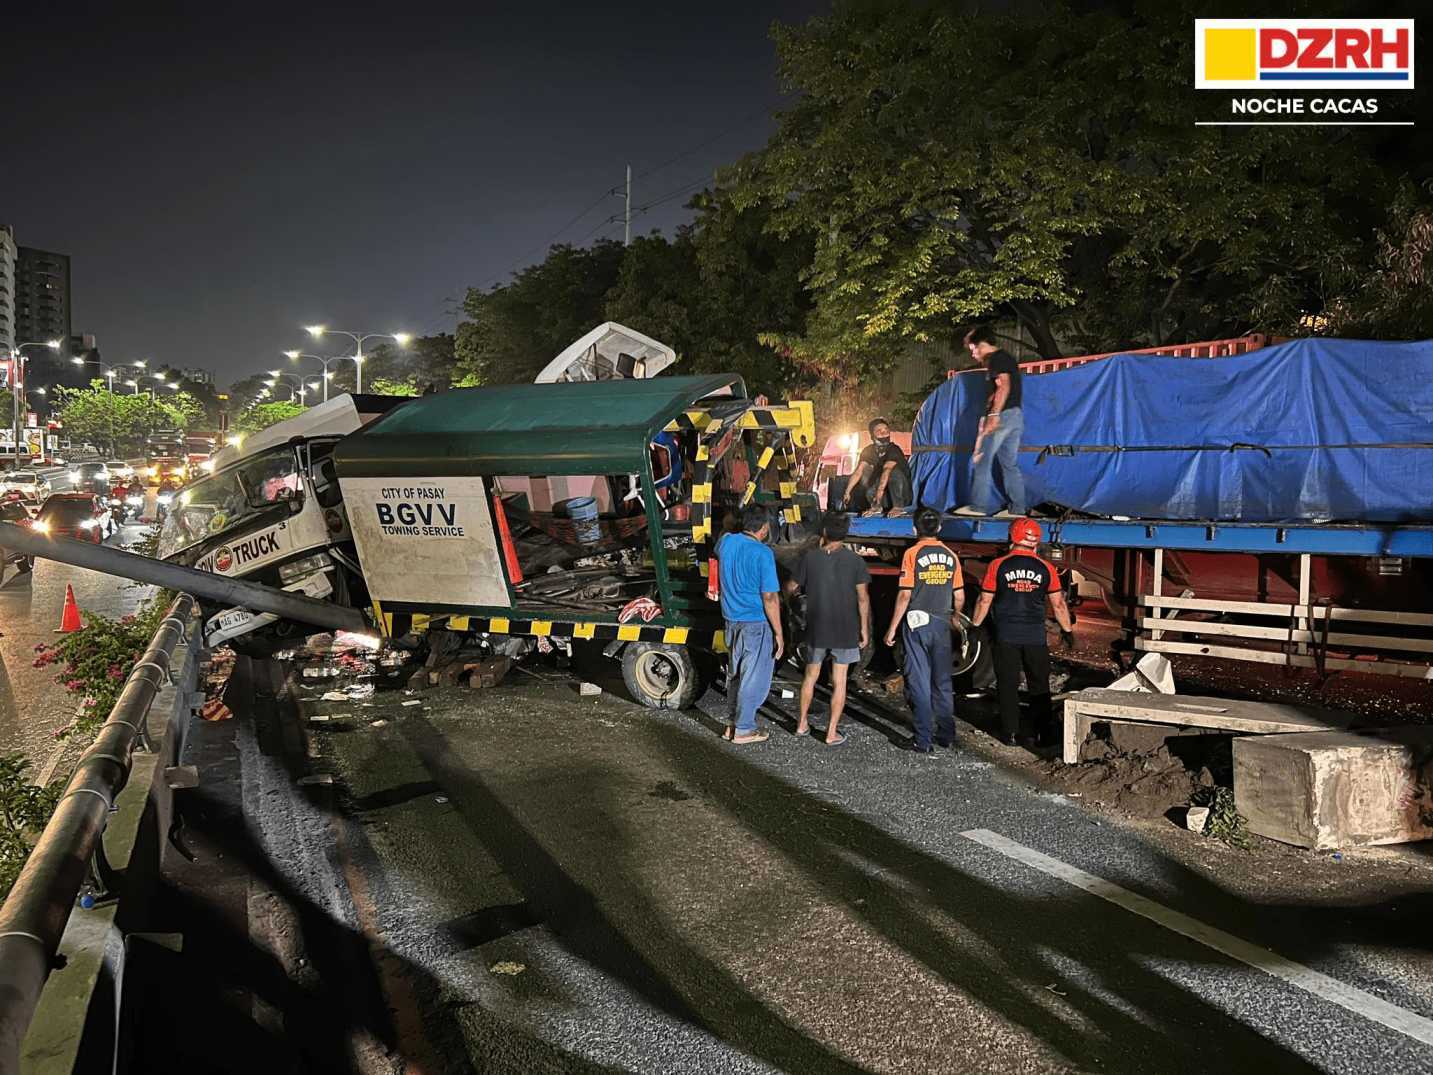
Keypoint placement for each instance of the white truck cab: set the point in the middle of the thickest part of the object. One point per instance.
(271, 511)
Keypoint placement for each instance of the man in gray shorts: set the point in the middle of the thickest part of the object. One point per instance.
(838, 616)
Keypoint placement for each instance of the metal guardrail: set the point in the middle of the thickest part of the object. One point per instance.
(33, 918)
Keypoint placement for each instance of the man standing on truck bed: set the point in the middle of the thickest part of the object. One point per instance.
(1001, 427)
(838, 617)
(751, 607)
(882, 481)
(932, 591)
(1013, 593)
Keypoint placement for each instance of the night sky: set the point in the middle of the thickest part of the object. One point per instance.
(220, 180)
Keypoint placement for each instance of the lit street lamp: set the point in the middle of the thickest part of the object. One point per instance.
(17, 383)
(278, 377)
(111, 372)
(294, 356)
(400, 338)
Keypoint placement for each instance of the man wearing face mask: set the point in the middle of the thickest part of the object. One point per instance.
(882, 481)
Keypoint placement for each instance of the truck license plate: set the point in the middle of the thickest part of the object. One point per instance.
(230, 620)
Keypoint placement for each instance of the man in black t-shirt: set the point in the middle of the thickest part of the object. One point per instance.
(882, 481)
(838, 616)
(1013, 594)
(1001, 426)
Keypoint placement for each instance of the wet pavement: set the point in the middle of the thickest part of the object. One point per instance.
(32, 705)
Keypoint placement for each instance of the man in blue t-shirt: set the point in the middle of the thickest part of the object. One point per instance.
(751, 606)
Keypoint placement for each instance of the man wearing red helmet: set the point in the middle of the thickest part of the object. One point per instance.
(1013, 594)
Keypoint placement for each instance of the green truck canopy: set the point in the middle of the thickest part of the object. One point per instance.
(587, 427)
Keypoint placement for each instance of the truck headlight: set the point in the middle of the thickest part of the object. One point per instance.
(292, 572)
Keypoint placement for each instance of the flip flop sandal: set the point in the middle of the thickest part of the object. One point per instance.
(840, 738)
(803, 731)
(759, 737)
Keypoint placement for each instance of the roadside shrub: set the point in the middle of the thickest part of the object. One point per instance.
(24, 809)
(95, 660)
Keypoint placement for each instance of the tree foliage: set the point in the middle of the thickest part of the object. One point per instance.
(511, 331)
(386, 386)
(1395, 300)
(121, 421)
(427, 360)
(262, 415)
(951, 167)
(937, 168)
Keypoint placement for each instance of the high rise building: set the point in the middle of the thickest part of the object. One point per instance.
(197, 375)
(42, 295)
(7, 287)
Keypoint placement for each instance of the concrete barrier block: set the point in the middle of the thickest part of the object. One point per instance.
(1326, 790)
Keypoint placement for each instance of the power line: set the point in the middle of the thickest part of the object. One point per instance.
(669, 196)
(703, 145)
(609, 192)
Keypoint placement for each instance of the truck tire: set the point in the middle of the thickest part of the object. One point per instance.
(974, 641)
(660, 676)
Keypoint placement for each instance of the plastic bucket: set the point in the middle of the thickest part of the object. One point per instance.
(582, 510)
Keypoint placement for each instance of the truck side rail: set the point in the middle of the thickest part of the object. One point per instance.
(1237, 345)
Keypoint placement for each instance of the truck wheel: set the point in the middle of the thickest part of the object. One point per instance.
(661, 676)
(968, 639)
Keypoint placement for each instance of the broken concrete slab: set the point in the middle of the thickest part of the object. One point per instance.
(1326, 790)
(1152, 674)
(1083, 708)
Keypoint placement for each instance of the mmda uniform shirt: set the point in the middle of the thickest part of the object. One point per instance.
(931, 572)
(1020, 582)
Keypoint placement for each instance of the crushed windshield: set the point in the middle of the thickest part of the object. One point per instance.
(217, 504)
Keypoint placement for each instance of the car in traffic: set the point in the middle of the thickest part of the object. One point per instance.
(173, 471)
(28, 483)
(83, 516)
(119, 470)
(90, 478)
(14, 511)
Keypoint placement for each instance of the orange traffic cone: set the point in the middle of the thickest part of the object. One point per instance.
(505, 539)
(70, 619)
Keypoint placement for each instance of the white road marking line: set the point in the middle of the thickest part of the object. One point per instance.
(1296, 974)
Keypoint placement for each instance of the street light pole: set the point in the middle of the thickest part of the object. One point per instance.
(294, 356)
(401, 338)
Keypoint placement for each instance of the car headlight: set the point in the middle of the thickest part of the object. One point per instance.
(88, 524)
(41, 525)
(305, 566)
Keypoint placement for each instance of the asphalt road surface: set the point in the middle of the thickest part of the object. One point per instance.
(549, 882)
(32, 705)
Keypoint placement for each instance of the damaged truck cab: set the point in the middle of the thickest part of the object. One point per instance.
(271, 512)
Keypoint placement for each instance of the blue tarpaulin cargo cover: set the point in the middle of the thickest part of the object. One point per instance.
(1307, 430)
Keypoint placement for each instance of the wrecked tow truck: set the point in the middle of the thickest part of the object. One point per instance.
(569, 514)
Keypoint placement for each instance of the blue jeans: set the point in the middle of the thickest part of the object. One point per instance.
(1003, 447)
(928, 687)
(750, 662)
